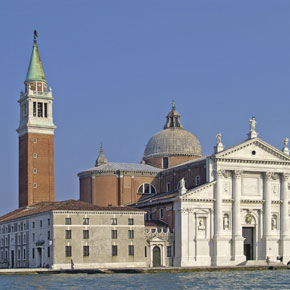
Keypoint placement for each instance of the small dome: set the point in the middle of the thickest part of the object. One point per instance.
(173, 140)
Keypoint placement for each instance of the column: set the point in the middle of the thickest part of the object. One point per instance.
(284, 219)
(267, 249)
(267, 203)
(218, 204)
(238, 240)
(284, 205)
(237, 189)
(219, 241)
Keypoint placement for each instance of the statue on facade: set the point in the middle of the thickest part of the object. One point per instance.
(219, 138)
(201, 225)
(219, 146)
(252, 122)
(252, 133)
(285, 148)
(226, 222)
(181, 187)
(274, 222)
(182, 183)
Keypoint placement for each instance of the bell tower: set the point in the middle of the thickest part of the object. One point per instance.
(36, 135)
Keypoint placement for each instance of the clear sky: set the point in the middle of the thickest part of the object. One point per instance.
(115, 66)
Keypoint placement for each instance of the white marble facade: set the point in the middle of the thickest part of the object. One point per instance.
(241, 213)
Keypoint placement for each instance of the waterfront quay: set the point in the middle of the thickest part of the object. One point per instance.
(29, 271)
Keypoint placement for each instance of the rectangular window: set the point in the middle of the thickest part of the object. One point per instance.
(48, 222)
(197, 180)
(45, 110)
(68, 234)
(161, 213)
(167, 187)
(40, 109)
(33, 237)
(48, 235)
(114, 250)
(131, 250)
(145, 252)
(169, 251)
(40, 224)
(68, 251)
(114, 234)
(165, 162)
(33, 253)
(24, 254)
(86, 221)
(68, 221)
(86, 234)
(34, 109)
(48, 252)
(130, 221)
(86, 251)
(33, 225)
(114, 221)
(131, 234)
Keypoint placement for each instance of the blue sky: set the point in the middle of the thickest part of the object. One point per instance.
(115, 67)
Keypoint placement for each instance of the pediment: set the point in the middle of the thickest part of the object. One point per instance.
(155, 240)
(202, 193)
(254, 149)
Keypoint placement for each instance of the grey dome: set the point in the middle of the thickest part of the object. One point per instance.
(173, 140)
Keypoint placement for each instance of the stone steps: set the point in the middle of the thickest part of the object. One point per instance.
(259, 263)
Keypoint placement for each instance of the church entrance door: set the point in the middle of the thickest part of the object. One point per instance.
(248, 234)
(156, 257)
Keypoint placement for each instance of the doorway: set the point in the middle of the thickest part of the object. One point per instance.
(12, 259)
(248, 234)
(39, 251)
(156, 257)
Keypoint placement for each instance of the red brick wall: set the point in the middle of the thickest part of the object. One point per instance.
(44, 164)
(172, 160)
(168, 213)
(112, 190)
(85, 189)
(187, 172)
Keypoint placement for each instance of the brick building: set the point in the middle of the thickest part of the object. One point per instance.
(36, 136)
(167, 159)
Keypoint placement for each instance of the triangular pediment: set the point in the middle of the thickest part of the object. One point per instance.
(254, 149)
(155, 240)
(203, 192)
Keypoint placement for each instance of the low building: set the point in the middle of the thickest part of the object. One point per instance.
(57, 234)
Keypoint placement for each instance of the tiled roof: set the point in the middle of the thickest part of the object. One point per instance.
(155, 198)
(115, 166)
(59, 205)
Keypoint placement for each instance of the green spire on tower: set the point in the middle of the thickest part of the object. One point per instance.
(35, 70)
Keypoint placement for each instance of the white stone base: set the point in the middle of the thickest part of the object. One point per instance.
(99, 265)
(221, 251)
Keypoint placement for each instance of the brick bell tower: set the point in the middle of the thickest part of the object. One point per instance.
(36, 136)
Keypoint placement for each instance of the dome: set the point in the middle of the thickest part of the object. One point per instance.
(172, 140)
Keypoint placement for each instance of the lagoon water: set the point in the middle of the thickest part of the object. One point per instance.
(195, 280)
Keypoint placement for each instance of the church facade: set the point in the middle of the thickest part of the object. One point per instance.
(225, 209)
(241, 212)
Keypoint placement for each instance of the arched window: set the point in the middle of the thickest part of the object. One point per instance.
(146, 188)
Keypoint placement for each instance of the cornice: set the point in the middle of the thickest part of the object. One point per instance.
(259, 143)
(251, 161)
